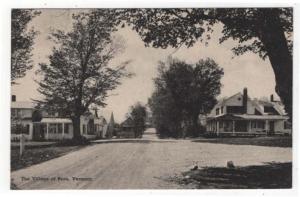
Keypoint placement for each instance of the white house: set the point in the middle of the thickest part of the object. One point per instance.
(241, 115)
(51, 126)
(21, 113)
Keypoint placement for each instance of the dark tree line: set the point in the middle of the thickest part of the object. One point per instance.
(182, 92)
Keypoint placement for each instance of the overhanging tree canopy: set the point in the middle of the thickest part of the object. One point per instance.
(265, 31)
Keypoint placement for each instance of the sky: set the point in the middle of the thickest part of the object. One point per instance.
(247, 70)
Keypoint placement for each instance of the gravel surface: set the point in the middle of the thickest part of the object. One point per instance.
(143, 164)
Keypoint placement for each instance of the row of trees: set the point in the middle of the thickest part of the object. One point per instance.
(182, 92)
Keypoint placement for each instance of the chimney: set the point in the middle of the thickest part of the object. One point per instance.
(13, 98)
(245, 99)
(272, 98)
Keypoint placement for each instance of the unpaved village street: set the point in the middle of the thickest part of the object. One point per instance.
(139, 164)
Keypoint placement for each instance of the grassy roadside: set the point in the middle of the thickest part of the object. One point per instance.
(269, 176)
(281, 141)
(38, 155)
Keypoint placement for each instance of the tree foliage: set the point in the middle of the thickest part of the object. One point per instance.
(22, 40)
(138, 114)
(265, 31)
(79, 74)
(182, 92)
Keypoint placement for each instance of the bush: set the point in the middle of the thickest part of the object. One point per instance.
(81, 141)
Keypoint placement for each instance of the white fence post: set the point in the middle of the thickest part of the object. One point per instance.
(22, 144)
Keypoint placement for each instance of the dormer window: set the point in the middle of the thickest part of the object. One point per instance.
(218, 111)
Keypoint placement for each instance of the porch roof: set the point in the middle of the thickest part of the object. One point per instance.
(262, 117)
(225, 117)
(248, 117)
(56, 120)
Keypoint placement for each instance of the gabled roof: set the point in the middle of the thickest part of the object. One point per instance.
(22, 105)
(259, 104)
(127, 123)
(223, 100)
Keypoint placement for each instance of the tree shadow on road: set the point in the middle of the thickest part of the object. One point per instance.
(142, 141)
(270, 176)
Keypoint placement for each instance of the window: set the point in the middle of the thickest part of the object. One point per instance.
(222, 108)
(26, 129)
(270, 110)
(235, 109)
(83, 129)
(52, 128)
(261, 124)
(19, 112)
(253, 124)
(287, 125)
(221, 125)
(217, 111)
(59, 128)
(51, 113)
(13, 112)
(66, 128)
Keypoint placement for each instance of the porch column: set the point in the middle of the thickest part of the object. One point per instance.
(249, 126)
(63, 130)
(47, 131)
(217, 128)
(233, 126)
(266, 125)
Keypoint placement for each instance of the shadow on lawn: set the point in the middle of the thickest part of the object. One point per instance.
(269, 176)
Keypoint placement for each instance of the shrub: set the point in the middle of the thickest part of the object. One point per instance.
(81, 141)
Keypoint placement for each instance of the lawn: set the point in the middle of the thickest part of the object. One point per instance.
(280, 141)
(33, 156)
(271, 175)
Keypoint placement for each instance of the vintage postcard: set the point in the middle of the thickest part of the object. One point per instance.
(151, 98)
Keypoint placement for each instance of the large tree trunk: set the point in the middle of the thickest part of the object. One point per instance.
(76, 127)
(276, 46)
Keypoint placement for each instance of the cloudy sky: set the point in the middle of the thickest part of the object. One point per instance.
(247, 70)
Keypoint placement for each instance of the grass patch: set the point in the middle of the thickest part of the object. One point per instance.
(38, 155)
(269, 176)
(281, 141)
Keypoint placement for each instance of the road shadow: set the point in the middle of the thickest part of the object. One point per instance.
(256, 141)
(142, 141)
(269, 176)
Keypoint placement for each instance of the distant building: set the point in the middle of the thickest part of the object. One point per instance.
(21, 119)
(51, 126)
(127, 129)
(241, 115)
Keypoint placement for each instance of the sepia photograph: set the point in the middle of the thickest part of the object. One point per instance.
(151, 98)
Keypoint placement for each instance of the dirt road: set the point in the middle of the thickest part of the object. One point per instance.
(140, 164)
